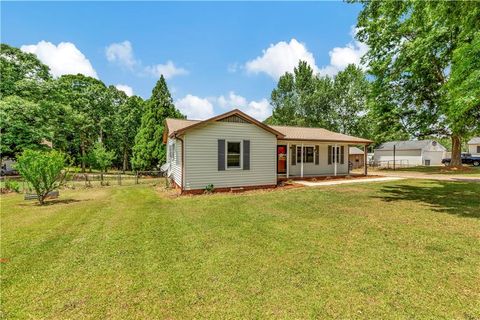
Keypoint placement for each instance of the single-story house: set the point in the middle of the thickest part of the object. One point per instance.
(234, 150)
(474, 146)
(410, 153)
(356, 157)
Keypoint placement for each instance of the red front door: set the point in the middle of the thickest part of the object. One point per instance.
(281, 159)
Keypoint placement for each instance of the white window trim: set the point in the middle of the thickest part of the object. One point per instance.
(345, 154)
(226, 155)
(305, 146)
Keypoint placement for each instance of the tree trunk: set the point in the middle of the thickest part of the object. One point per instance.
(456, 151)
(82, 152)
(125, 160)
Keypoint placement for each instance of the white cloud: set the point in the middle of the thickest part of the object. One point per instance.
(280, 58)
(232, 101)
(122, 53)
(341, 57)
(260, 110)
(195, 107)
(127, 89)
(168, 70)
(62, 59)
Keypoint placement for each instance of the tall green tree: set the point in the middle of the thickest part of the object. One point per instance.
(91, 110)
(351, 89)
(149, 150)
(338, 103)
(412, 46)
(16, 65)
(128, 119)
(302, 99)
(23, 125)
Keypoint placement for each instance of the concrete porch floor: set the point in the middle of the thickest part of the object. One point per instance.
(345, 181)
(281, 178)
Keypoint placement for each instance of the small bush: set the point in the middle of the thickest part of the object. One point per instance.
(12, 186)
(209, 188)
(42, 170)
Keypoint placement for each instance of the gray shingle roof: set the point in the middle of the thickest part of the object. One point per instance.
(429, 145)
(289, 133)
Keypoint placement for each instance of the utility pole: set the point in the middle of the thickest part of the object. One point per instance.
(394, 157)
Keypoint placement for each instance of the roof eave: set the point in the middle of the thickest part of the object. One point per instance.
(330, 140)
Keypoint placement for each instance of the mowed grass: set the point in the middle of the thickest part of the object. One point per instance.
(403, 249)
(466, 170)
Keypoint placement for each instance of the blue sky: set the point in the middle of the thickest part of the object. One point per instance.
(215, 55)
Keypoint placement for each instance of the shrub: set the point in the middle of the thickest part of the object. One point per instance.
(102, 158)
(209, 188)
(12, 186)
(42, 170)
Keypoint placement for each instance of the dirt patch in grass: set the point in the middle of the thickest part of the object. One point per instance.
(459, 169)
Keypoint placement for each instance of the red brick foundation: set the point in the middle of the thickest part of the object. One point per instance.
(230, 189)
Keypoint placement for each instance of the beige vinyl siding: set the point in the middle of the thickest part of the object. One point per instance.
(474, 149)
(323, 168)
(201, 156)
(176, 161)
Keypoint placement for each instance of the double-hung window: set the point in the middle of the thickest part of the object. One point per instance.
(308, 154)
(234, 154)
(336, 154)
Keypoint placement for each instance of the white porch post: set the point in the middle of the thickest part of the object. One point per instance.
(288, 160)
(365, 160)
(301, 165)
(335, 159)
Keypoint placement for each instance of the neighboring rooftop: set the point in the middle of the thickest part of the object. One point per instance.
(430, 145)
(355, 150)
(289, 133)
(475, 140)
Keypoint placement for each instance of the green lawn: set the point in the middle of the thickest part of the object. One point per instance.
(468, 170)
(403, 249)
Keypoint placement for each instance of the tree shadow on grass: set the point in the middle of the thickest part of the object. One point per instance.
(51, 202)
(459, 198)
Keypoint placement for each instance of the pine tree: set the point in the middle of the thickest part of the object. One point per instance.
(149, 151)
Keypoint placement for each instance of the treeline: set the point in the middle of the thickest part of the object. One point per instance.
(423, 72)
(78, 115)
(337, 103)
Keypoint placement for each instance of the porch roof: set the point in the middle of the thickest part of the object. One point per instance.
(317, 134)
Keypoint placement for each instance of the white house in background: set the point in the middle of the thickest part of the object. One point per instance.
(474, 146)
(410, 153)
(236, 151)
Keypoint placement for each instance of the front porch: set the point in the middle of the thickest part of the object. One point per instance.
(340, 176)
(317, 160)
